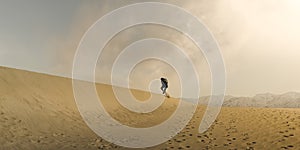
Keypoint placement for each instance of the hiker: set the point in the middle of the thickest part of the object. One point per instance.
(164, 85)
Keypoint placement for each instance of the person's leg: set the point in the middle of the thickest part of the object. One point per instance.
(164, 91)
(163, 87)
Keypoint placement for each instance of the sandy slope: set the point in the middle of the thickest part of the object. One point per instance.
(38, 111)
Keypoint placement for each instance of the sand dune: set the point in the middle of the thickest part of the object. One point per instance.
(38, 111)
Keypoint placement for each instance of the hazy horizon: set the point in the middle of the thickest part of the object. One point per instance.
(202, 96)
(258, 40)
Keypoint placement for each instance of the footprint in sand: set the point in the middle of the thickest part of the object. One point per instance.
(250, 148)
(287, 147)
(187, 146)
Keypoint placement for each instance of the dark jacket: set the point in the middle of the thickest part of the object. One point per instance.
(164, 81)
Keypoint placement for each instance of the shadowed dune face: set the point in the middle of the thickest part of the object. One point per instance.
(139, 95)
(130, 118)
(38, 111)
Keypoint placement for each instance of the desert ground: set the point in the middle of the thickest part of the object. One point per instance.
(38, 111)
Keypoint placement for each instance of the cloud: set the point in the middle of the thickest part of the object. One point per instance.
(258, 39)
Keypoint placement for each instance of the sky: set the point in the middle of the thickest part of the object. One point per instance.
(259, 41)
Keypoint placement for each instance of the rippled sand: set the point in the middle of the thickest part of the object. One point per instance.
(38, 112)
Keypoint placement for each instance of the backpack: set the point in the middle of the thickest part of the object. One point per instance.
(164, 80)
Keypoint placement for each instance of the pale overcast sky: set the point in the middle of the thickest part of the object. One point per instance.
(259, 39)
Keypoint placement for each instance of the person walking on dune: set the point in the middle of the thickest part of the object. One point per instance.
(164, 86)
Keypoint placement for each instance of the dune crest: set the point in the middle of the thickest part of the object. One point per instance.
(38, 111)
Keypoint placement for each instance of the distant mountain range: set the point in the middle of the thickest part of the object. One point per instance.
(266, 100)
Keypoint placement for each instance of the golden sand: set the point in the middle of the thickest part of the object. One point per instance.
(38, 111)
